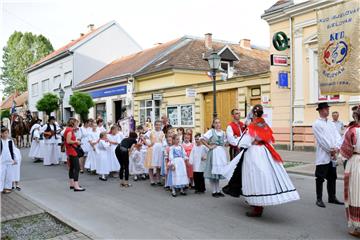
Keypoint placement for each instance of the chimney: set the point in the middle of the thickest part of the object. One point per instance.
(208, 41)
(91, 27)
(245, 43)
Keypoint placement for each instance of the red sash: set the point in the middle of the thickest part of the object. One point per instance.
(260, 130)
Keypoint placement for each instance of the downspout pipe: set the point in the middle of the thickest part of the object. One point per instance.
(291, 87)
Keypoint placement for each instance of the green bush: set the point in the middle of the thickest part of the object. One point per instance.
(48, 104)
(81, 102)
(5, 113)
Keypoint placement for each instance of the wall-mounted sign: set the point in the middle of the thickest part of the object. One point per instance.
(283, 80)
(278, 60)
(255, 92)
(190, 92)
(280, 41)
(109, 92)
(157, 96)
(265, 99)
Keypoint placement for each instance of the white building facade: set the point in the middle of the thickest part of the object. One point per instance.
(76, 61)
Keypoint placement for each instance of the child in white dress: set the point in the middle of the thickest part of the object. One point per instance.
(35, 149)
(137, 168)
(103, 161)
(10, 157)
(215, 140)
(177, 167)
(93, 139)
(115, 139)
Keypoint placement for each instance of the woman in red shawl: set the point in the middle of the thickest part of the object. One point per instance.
(350, 151)
(257, 173)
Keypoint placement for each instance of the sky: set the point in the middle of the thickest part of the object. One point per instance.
(147, 21)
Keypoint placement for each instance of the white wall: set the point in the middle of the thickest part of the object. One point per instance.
(99, 51)
(50, 71)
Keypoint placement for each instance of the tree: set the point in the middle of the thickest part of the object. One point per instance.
(5, 113)
(81, 102)
(48, 104)
(21, 51)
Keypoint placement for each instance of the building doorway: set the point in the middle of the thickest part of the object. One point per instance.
(100, 111)
(225, 102)
(119, 114)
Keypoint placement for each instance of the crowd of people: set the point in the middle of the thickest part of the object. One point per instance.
(180, 160)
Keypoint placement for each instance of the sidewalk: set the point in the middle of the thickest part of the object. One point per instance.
(308, 160)
(15, 206)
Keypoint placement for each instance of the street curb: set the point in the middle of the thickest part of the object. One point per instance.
(57, 215)
(294, 171)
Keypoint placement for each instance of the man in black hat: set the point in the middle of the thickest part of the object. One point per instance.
(328, 142)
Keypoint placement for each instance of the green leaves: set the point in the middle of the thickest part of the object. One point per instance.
(48, 104)
(81, 102)
(21, 51)
(5, 114)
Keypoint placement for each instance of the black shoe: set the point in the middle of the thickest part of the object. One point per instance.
(103, 179)
(335, 201)
(71, 188)
(220, 194)
(159, 184)
(320, 203)
(81, 171)
(173, 194)
(183, 193)
(153, 184)
(215, 195)
(79, 189)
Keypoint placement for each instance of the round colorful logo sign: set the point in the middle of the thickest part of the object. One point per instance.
(335, 53)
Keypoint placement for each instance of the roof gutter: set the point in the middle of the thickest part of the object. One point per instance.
(86, 85)
(48, 61)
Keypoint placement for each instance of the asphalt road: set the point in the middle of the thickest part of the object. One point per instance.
(107, 211)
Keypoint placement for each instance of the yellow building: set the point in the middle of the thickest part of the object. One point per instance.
(298, 22)
(172, 78)
(178, 85)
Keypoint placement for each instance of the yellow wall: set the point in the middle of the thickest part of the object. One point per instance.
(172, 85)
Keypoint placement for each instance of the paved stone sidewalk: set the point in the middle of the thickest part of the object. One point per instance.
(14, 206)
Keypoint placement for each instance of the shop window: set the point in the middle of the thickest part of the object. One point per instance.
(149, 109)
(181, 115)
(100, 111)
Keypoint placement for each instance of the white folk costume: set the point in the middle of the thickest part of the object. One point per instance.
(350, 150)
(262, 176)
(136, 163)
(216, 158)
(92, 156)
(9, 173)
(84, 139)
(103, 161)
(196, 159)
(35, 149)
(327, 138)
(51, 148)
(114, 162)
(233, 133)
(101, 129)
(177, 176)
(154, 154)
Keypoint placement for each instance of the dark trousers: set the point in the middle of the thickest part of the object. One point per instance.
(199, 181)
(74, 168)
(122, 154)
(328, 172)
(233, 151)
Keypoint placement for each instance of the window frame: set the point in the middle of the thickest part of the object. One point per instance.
(43, 85)
(178, 106)
(152, 109)
(37, 89)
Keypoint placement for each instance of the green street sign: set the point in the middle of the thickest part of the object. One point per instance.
(280, 41)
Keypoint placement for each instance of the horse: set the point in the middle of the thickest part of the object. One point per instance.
(20, 127)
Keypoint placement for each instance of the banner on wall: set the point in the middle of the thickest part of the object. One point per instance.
(338, 29)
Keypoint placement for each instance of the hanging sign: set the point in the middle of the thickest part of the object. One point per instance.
(339, 48)
(278, 60)
(280, 41)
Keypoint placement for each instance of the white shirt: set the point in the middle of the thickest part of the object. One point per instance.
(327, 137)
(207, 136)
(233, 140)
(6, 158)
(339, 126)
(196, 156)
(53, 139)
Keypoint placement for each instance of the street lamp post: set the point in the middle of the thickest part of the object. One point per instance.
(214, 61)
(61, 97)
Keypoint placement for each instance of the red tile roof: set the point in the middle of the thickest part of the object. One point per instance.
(184, 53)
(63, 49)
(20, 100)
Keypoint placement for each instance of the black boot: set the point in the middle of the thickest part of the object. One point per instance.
(319, 190)
(331, 186)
